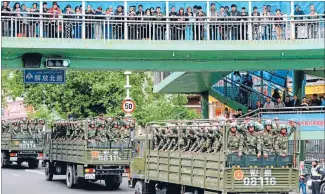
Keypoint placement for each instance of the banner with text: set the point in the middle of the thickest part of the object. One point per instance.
(308, 122)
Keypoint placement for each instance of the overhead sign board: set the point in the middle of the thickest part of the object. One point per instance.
(128, 106)
(308, 122)
(44, 76)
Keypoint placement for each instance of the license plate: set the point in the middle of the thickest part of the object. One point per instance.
(90, 176)
(13, 159)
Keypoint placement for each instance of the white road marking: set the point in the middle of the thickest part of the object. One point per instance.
(15, 174)
(35, 171)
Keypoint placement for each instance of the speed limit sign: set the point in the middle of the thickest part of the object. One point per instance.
(128, 106)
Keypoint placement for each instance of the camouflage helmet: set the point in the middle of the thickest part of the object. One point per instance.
(268, 123)
(283, 126)
(233, 125)
(195, 126)
(251, 124)
(92, 123)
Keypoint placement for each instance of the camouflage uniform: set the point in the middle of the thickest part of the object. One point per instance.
(235, 142)
(182, 138)
(102, 132)
(69, 130)
(169, 136)
(197, 136)
(207, 140)
(24, 127)
(16, 130)
(253, 141)
(218, 140)
(190, 139)
(125, 132)
(115, 130)
(174, 139)
(281, 140)
(162, 139)
(92, 131)
(267, 138)
(4, 127)
(156, 135)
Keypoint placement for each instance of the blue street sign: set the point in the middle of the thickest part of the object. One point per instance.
(40, 76)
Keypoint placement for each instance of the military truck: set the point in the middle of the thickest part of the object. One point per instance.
(89, 150)
(22, 141)
(181, 171)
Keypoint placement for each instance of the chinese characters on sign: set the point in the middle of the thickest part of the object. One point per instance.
(44, 76)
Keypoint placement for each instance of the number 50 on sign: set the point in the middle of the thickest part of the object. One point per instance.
(128, 106)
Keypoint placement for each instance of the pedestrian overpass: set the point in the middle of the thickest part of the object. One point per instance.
(186, 65)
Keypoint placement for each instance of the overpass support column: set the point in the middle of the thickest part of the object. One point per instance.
(205, 105)
(298, 83)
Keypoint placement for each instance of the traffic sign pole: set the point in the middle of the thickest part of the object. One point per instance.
(127, 87)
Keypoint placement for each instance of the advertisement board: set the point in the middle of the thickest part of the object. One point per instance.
(308, 122)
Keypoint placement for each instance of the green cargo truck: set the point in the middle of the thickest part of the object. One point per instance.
(164, 172)
(84, 156)
(21, 143)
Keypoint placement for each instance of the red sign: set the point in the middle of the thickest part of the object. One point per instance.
(128, 106)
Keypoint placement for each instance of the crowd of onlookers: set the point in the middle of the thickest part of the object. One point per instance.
(234, 29)
(294, 102)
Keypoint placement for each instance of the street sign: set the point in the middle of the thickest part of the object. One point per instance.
(128, 106)
(44, 76)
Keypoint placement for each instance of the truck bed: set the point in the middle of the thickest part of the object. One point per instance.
(76, 151)
(22, 144)
(208, 171)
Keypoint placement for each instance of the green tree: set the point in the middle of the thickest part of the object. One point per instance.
(89, 93)
(11, 85)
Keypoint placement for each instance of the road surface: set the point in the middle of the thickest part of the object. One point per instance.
(21, 180)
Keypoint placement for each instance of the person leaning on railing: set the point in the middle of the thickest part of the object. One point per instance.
(34, 23)
(278, 24)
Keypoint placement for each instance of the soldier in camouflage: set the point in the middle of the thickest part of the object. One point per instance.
(16, 128)
(197, 136)
(189, 139)
(169, 137)
(218, 140)
(174, 139)
(253, 141)
(182, 138)
(102, 132)
(207, 139)
(69, 130)
(281, 140)
(115, 129)
(235, 142)
(267, 138)
(156, 135)
(125, 131)
(162, 138)
(92, 134)
(4, 127)
(24, 127)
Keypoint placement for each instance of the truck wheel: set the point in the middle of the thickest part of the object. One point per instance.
(70, 177)
(112, 185)
(138, 188)
(48, 172)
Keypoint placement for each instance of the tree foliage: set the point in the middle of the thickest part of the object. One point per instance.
(89, 93)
